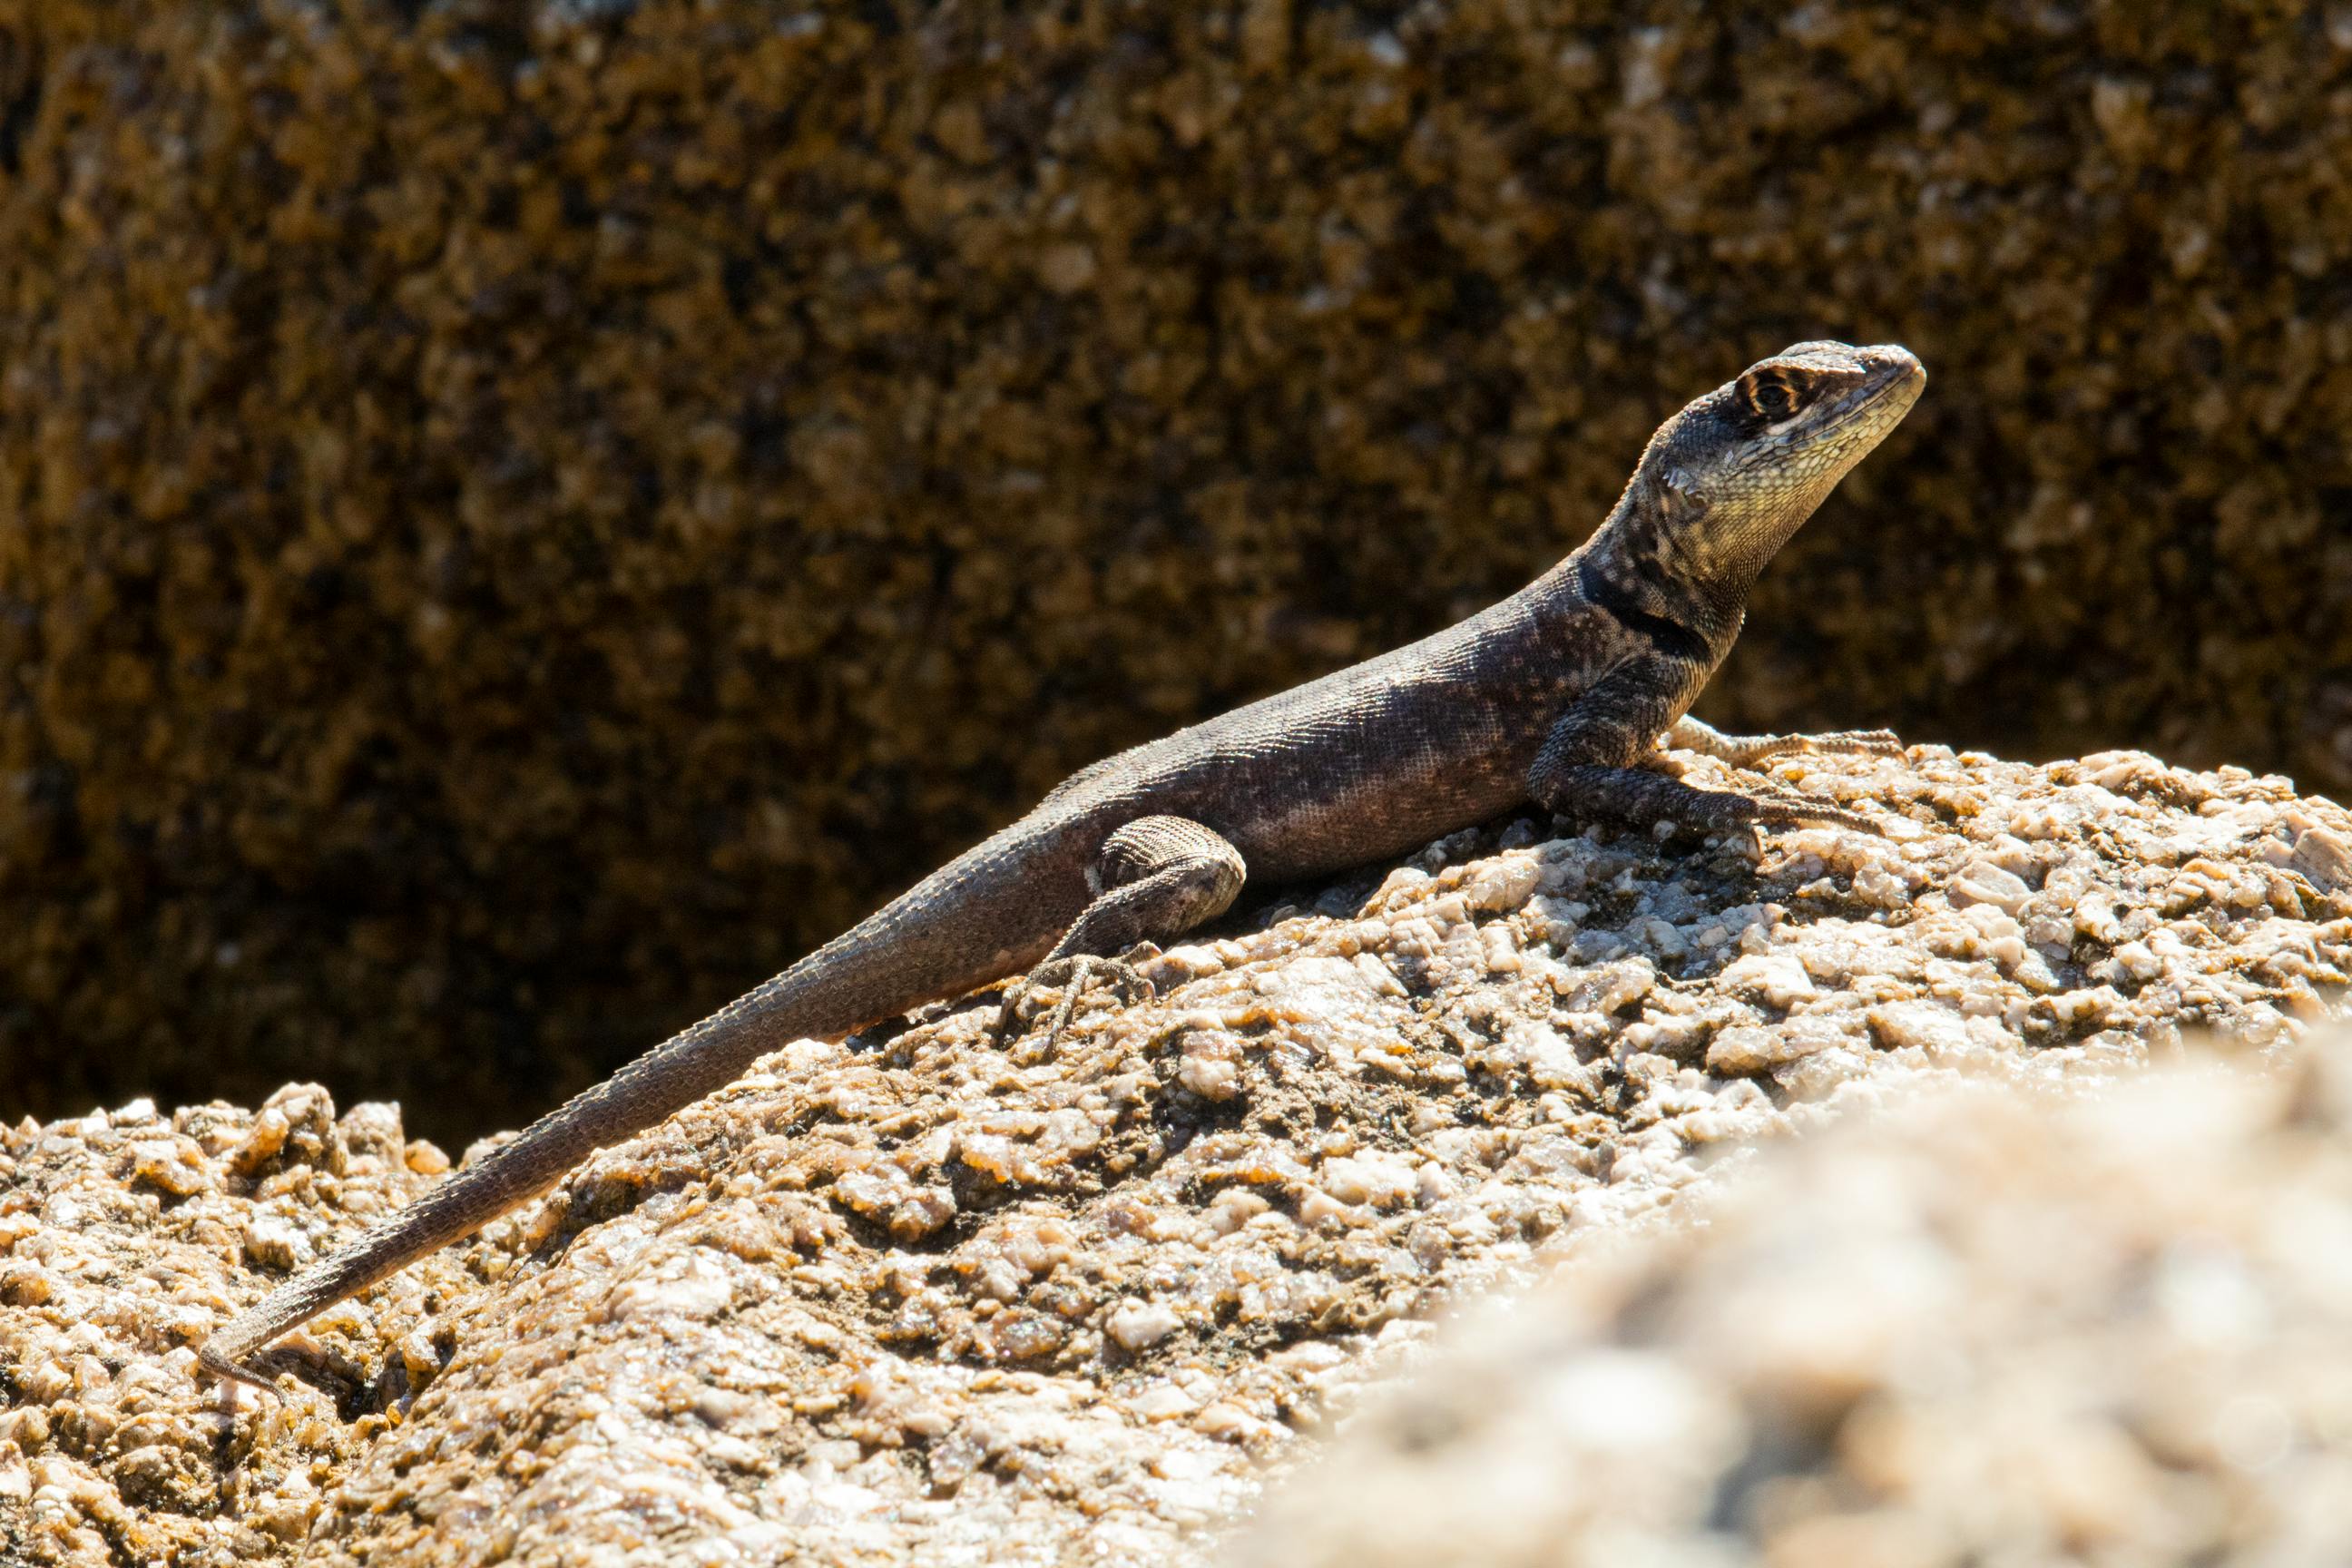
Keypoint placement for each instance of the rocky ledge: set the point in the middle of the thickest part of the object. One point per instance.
(1980, 1327)
(918, 1298)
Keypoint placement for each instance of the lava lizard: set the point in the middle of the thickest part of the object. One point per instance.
(1558, 695)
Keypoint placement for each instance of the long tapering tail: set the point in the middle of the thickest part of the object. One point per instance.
(672, 1075)
(990, 912)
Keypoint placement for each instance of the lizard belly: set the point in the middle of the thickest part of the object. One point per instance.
(1370, 817)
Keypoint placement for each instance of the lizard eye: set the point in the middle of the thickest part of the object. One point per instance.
(1770, 394)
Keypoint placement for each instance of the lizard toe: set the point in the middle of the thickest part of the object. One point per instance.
(1074, 975)
(1858, 743)
(216, 1365)
(1793, 814)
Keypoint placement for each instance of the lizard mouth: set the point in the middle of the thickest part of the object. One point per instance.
(1850, 421)
(1893, 384)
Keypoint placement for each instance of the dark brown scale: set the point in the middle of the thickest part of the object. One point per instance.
(1556, 695)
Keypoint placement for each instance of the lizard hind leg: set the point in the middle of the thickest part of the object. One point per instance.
(1156, 877)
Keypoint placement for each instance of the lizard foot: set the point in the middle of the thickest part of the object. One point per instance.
(1747, 751)
(1639, 798)
(1757, 808)
(1075, 974)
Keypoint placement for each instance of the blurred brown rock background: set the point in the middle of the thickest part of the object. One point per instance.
(516, 521)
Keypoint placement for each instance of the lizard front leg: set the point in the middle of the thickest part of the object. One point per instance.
(1690, 734)
(1156, 877)
(1592, 764)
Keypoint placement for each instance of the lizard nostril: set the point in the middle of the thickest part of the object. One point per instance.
(1896, 357)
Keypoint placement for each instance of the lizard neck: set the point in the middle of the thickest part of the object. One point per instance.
(1633, 566)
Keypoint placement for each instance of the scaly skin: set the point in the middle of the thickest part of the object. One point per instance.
(1557, 695)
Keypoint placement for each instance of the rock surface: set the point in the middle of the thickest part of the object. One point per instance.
(915, 1298)
(515, 519)
(2106, 1322)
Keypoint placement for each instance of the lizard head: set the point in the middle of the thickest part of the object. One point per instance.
(1727, 481)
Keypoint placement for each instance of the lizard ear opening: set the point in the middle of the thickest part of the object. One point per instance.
(1678, 491)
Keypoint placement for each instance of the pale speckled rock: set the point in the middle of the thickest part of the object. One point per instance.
(915, 1298)
(522, 517)
(2098, 1320)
